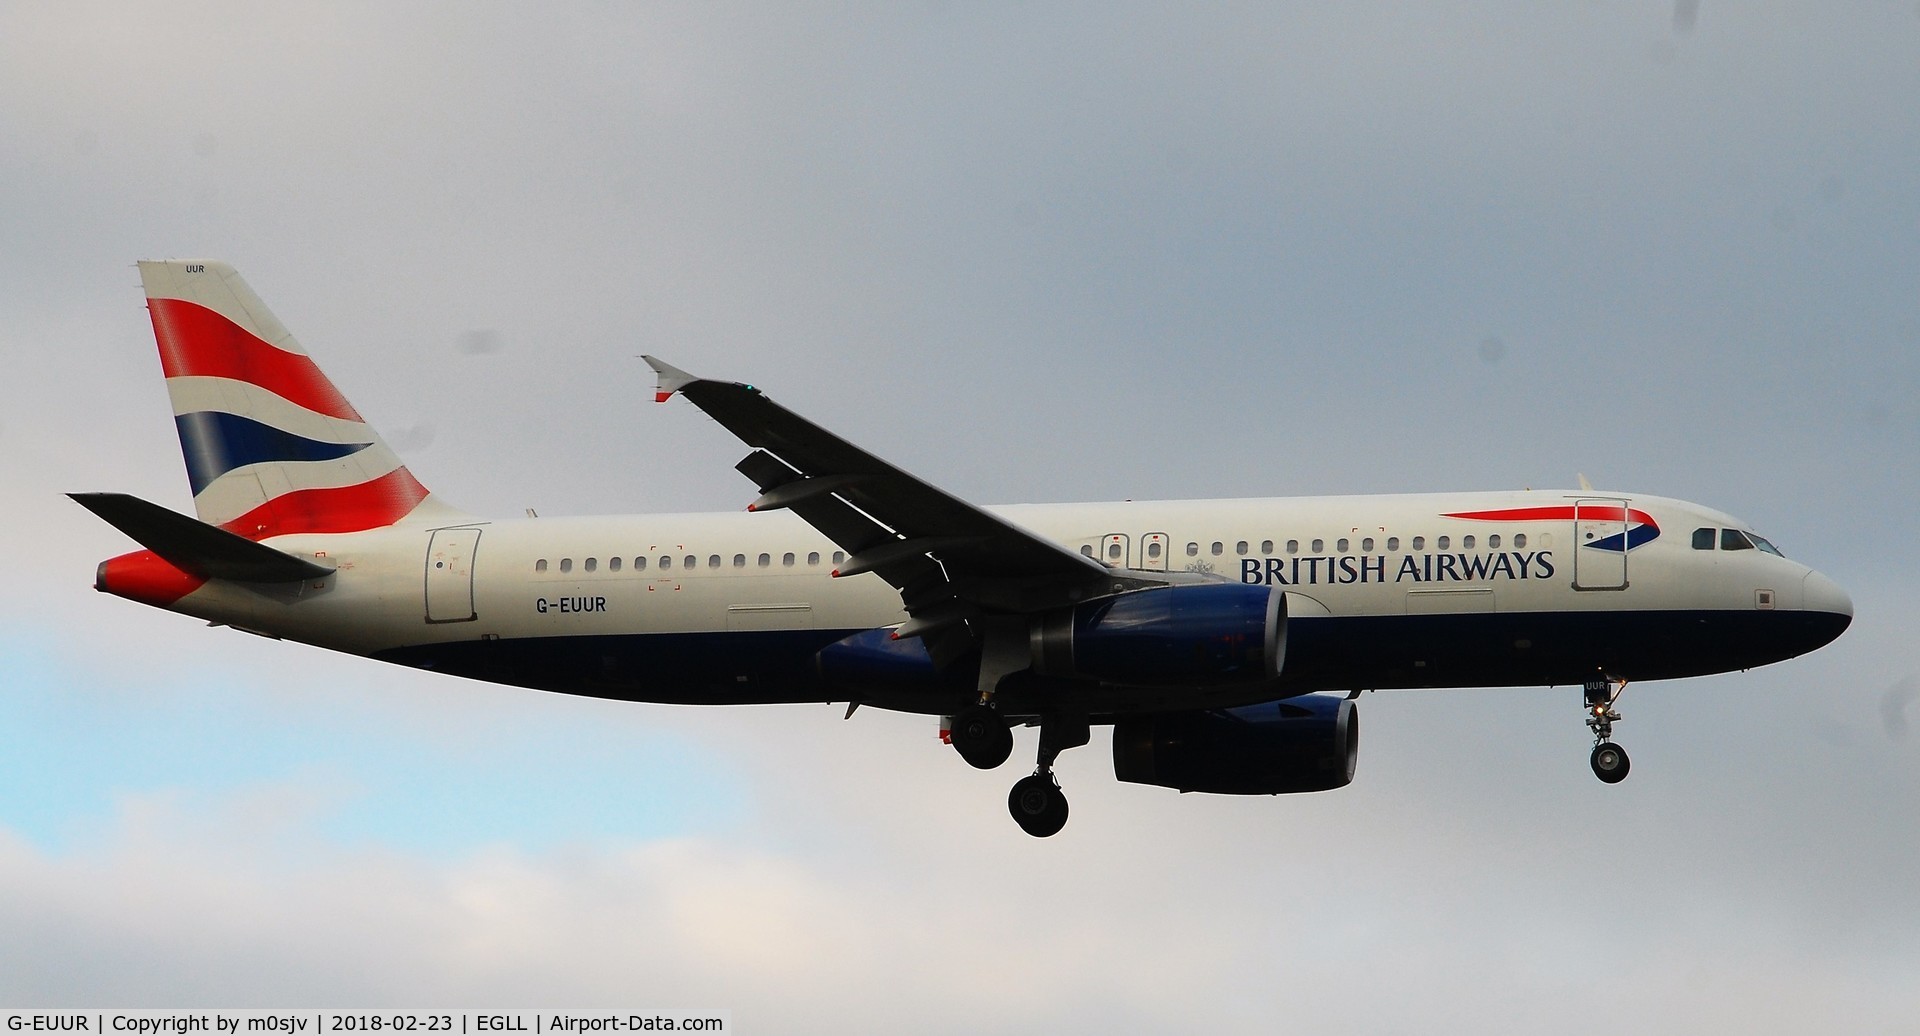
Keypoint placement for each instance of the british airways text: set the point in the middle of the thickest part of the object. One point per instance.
(1411, 568)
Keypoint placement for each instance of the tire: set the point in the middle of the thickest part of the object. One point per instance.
(1038, 805)
(1610, 762)
(981, 737)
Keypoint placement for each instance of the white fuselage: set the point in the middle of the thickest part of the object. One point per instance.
(1374, 584)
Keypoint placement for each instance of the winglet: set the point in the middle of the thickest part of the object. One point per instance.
(672, 379)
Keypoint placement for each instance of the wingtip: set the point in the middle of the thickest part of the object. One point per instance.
(671, 379)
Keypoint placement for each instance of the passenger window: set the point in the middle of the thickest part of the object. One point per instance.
(566, 564)
(1266, 546)
(1293, 546)
(1219, 548)
(1341, 546)
(1734, 539)
(1493, 542)
(1319, 546)
(1240, 548)
(692, 561)
(1419, 543)
(713, 561)
(540, 565)
(1153, 550)
(1393, 543)
(813, 557)
(592, 563)
(1703, 539)
(1193, 550)
(1366, 545)
(765, 560)
(786, 560)
(1519, 541)
(665, 562)
(839, 556)
(1466, 543)
(639, 564)
(739, 561)
(1113, 551)
(1087, 549)
(613, 564)
(1442, 542)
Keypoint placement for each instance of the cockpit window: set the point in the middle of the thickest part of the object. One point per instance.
(1734, 539)
(1703, 538)
(1765, 547)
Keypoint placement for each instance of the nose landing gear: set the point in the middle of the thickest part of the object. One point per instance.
(1609, 761)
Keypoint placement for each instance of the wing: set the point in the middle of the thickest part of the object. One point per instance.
(954, 564)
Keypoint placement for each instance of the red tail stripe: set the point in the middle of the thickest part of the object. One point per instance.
(369, 505)
(197, 342)
(1560, 513)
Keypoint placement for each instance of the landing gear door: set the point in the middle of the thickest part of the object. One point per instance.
(1600, 544)
(450, 575)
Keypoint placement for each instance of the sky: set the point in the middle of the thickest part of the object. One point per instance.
(1030, 252)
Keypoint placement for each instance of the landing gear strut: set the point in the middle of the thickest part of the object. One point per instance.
(1609, 761)
(1036, 802)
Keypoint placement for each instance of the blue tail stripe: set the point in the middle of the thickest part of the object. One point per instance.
(215, 443)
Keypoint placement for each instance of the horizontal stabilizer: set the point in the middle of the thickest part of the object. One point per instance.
(193, 546)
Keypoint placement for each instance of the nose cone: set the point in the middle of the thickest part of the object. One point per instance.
(1820, 594)
(1822, 597)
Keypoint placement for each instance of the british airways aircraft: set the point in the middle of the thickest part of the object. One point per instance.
(1223, 640)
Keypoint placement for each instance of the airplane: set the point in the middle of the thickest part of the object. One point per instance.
(1224, 641)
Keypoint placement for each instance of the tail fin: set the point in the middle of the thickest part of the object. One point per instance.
(271, 446)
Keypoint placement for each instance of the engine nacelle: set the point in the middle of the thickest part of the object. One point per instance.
(1199, 634)
(1309, 743)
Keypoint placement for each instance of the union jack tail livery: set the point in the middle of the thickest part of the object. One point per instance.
(271, 447)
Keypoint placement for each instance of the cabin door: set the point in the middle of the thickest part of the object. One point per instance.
(450, 575)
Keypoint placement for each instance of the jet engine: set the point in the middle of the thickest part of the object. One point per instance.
(1196, 634)
(1308, 743)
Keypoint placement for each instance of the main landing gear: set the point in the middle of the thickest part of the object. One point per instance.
(981, 736)
(1610, 762)
(1036, 801)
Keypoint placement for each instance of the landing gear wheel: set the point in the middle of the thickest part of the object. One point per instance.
(981, 736)
(1038, 805)
(1610, 762)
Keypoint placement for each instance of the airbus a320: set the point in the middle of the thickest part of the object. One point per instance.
(1222, 640)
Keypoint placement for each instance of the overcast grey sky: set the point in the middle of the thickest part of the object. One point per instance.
(1030, 252)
